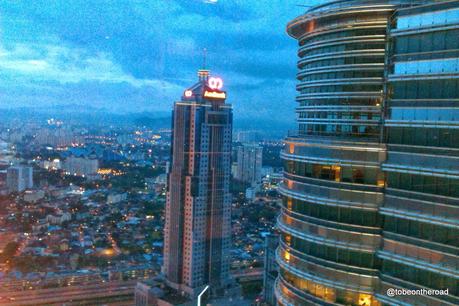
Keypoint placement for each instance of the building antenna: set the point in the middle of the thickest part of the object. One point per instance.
(204, 56)
(203, 73)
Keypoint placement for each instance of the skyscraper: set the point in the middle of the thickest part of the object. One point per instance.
(421, 207)
(198, 209)
(348, 234)
(249, 160)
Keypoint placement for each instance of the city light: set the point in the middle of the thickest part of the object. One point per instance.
(214, 95)
(131, 173)
(215, 83)
(108, 252)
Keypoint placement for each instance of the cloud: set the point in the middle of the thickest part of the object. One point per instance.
(68, 65)
(111, 51)
(235, 10)
(52, 75)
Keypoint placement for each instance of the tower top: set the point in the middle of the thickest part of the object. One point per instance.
(203, 74)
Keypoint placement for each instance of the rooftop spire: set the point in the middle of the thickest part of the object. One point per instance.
(203, 73)
(204, 55)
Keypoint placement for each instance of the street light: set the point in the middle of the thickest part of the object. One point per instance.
(200, 295)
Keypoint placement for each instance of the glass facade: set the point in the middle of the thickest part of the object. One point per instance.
(421, 208)
(333, 178)
(371, 181)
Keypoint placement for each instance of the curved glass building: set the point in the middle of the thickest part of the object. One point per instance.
(332, 249)
(333, 179)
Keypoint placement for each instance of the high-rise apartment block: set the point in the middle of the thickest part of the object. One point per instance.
(19, 178)
(81, 166)
(249, 163)
(198, 209)
(371, 184)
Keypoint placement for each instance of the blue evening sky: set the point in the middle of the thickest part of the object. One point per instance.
(139, 55)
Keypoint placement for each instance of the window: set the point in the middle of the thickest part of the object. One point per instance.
(405, 181)
(355, 174)
(425, 89)
(422, 230)
(345, 256)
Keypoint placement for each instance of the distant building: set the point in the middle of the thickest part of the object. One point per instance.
(249, 159)
(32, 196)
(266, 171)
(40, 226)
(198, 209)
(161, 179)
(234, 169)
(81, 166)
(126, 139)
(87, 292)
(6, 154)
(274, 179)
(251, 192)
(57, 137)
(54, 164)
(145, 295)
(19, 178)
(247, 136)
(154, 293)
(271, 269)
(114, 198)
(58, 218)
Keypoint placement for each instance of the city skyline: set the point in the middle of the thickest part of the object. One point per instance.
(229, 152)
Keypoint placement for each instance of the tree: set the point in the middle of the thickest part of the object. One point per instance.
(9, 251)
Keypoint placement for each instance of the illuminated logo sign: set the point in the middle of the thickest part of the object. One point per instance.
(214, 94)
(215, 83)
(188, 93)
